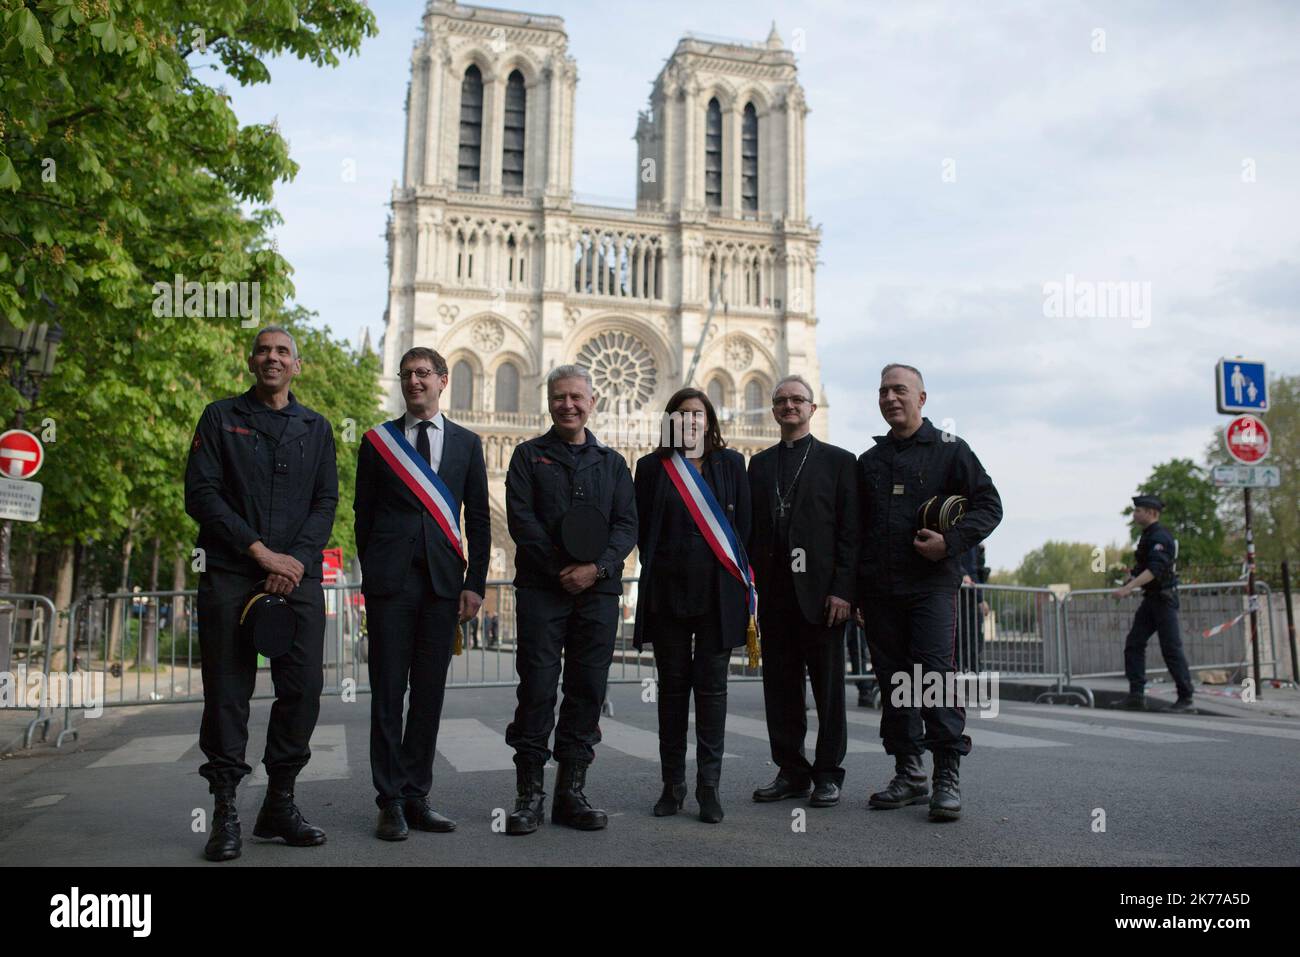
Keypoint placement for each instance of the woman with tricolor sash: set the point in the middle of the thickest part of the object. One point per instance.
(695, 600)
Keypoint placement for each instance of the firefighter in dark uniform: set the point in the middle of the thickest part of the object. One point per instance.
(564, 605)
(1156, 574)
(908, 582)
(262, 484)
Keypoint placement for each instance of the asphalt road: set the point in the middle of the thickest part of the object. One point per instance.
(1175, 790)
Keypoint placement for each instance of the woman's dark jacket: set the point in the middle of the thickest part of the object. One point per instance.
(724, 473)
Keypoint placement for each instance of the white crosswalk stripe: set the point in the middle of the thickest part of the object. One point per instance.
(152, 749)
(471, 745)
(329, 758)
(978, 735)
(1092, 730)
(751, 728)
(1218, 725)
(637, 741)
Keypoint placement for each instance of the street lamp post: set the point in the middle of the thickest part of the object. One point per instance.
(27, 356)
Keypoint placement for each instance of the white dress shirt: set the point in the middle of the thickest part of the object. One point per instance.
(411, 426)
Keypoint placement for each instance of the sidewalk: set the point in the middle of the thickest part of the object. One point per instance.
(1222, 700)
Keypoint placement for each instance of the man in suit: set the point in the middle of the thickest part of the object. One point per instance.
(417, 587)
(804, 553)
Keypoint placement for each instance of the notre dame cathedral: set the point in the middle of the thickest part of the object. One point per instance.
(708, 280)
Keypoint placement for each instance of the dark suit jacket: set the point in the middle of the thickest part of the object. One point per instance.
(824, 523)
(652, 486)
(390, 519)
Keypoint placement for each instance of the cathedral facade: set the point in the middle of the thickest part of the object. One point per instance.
(708, 280)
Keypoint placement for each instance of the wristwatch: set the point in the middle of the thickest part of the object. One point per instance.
(602, 572)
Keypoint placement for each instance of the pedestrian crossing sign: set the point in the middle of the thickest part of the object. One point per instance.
(1242, 386)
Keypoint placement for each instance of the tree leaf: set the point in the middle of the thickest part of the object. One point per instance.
(8, 175)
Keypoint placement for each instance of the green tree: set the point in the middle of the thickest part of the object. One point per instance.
(1191, 511)
(119, 169)
(1078, 564)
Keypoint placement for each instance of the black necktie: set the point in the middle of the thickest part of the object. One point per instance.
(422, 441)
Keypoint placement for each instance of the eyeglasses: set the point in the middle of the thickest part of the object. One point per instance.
(795, 400)
(421, 374)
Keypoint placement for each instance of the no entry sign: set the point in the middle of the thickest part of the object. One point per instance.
(1246, 437)
(21, 454)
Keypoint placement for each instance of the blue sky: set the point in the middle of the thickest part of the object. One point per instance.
(1164, 150)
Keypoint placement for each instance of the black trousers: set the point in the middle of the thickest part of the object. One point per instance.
(412, 633)
(1158, 613)
(582, 627)
(689, 657)
(904, 631)
(790, 644)
(229, 667)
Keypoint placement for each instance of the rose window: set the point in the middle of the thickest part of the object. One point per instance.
(622, 368)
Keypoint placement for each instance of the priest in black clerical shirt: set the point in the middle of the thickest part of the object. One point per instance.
(804, 553)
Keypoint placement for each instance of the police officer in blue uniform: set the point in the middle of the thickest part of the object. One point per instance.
(1156, 574)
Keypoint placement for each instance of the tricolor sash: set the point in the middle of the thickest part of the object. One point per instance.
(703, 507)
(417, 475)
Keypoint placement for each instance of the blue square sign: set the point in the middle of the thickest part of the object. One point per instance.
(1242, 386)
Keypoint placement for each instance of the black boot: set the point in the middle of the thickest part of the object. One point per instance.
(224, 843)
(706, 795)
(671, 801)
(280, 817)
(530, 805)
(571, 806)
(946, 803)
(907, 787)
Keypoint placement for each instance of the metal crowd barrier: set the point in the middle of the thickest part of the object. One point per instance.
(1013, 630)
(1097, 624)
(27, 628)
(143, 646)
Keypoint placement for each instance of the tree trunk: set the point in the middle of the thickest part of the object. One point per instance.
(62, 598)
(149, 625)
(116, 618)
(180, 616)
(46, 572)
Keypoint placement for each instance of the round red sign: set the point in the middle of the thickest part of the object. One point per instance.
(21, 454)
(1247, 439)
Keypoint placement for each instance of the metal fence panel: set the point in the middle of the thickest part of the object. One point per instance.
(27, 629)
(144, 646)
(1096, 625)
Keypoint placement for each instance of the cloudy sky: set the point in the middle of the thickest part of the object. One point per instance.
(960, 157)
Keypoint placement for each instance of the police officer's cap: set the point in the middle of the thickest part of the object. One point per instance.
(1148, 501)
(268, 622)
